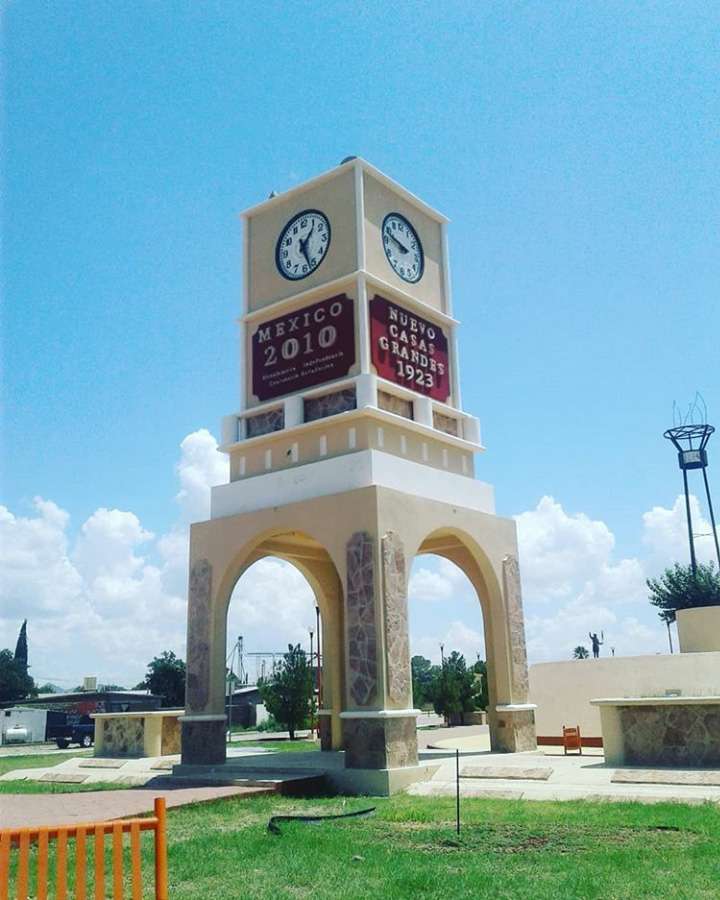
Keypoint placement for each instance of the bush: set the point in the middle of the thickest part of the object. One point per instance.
(681, 588)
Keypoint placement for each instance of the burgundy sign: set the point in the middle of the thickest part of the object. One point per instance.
(303, 348)
(408, 349)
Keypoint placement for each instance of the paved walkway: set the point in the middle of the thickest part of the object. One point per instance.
(539, 776)
(26, 810)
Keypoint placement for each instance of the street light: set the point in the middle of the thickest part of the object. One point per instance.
(690, 441)
(312, 717)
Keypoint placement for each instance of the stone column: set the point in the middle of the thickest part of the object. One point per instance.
(380, 729)
(513, 721)
(203, 729)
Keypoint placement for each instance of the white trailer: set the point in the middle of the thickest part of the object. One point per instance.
(26, 725)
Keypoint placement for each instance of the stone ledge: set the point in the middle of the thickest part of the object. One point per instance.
(508, 773)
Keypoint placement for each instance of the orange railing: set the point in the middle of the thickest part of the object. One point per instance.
(22, 839)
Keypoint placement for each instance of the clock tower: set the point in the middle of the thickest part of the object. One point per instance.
(349, 455)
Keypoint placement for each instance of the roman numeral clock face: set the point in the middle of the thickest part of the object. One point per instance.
(303, 244)
(402, 247)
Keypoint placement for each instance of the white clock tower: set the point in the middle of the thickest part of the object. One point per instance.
(350, 455)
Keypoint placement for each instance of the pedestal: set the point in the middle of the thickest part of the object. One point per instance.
(385, 739)
(203, 739)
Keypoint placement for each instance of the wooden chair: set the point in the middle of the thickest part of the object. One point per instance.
(572, 739)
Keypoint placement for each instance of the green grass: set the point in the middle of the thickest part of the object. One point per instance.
(281, 746)
(10, 763)
(409, 849)
(50, 787)
(33, 761)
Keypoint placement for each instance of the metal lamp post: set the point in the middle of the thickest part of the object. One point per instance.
(312, 716)
(690, 441)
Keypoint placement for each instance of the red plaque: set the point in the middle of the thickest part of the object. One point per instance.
(409, 350)
(303, 348)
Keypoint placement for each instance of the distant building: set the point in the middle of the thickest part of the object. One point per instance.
(244, 707)
(84, 703)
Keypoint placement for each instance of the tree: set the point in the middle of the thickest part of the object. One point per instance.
(454, 688)
(15, 683)
(49, 688)
(21, 648)
(424, 674)
(288, 692)
(480, 676)
(681, 588)
(166, 677)
(581, 652)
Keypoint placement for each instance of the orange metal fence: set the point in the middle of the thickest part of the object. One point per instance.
(21, 839)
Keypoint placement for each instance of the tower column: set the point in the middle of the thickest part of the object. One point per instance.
(379, 725)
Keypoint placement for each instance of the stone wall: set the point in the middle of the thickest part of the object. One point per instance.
(673, 735)
(380, 743)
(123, 737)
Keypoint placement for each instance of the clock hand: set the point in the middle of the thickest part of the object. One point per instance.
(403, 249)
(304, 243)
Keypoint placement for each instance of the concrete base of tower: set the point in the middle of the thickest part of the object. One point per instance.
(379, 782)
(380, 740)
(512, 728)
(203, 739)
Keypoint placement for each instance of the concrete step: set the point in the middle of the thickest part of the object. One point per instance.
(275, 780)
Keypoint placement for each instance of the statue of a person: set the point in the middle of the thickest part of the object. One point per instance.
(596, 643)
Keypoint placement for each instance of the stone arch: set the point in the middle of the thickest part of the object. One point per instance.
(216, 566)
(499, 595)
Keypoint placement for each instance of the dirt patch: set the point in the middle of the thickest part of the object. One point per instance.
(508, 838)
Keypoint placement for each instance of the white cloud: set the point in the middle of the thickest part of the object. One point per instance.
(108, 598)
(573, 583)
(35, 572)
(665, 534)
(201, 467)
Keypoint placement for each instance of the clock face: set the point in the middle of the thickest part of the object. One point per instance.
(303, 244)
(402, 247)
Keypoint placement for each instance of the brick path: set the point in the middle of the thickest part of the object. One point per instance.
(26, 810)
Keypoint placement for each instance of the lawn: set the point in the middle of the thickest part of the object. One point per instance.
(8, 763)
(31, 761)
(281, 746)
(409, 849)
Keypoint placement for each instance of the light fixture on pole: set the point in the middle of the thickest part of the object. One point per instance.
(312, 717)
(690, 440)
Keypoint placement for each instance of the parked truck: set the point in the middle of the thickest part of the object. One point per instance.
(69, 728)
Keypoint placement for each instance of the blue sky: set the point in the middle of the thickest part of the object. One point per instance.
(573, 145)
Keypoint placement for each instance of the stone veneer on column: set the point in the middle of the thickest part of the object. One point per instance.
(397, 649)
(513, 730)
(516, 626)
(361, 630)
(198, 639)
(380, 743)
(203, 740)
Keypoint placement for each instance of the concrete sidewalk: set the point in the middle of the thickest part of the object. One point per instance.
(537, 776)
(27, 810)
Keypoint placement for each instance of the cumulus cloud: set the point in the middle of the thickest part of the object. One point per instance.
(200, 467)
(105, 597)
(665, 533)
(110, 597)
(575, 582)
